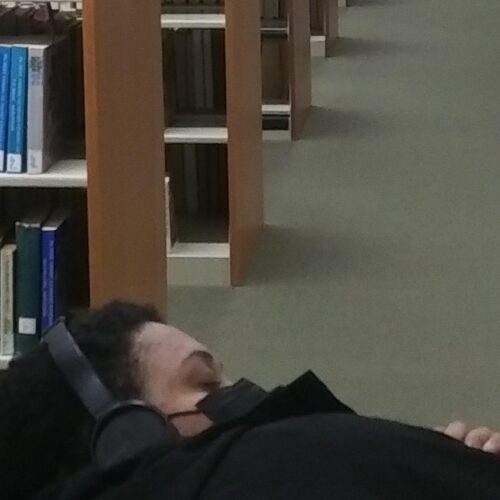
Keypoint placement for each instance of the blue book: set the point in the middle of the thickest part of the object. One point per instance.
(18, 99)
(4, 101)
(53, 269)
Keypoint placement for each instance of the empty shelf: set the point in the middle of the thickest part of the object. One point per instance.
(191, 21)
(276, 109)
(196, 135)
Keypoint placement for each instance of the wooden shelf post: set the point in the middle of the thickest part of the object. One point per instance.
(244, 122)
(300, 64)
(125, 155)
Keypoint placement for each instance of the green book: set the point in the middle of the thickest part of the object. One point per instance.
(28, 281)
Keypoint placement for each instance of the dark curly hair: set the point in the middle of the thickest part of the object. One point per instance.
(44, 429)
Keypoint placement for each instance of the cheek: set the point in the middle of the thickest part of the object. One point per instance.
(173, 400)
(192, 425)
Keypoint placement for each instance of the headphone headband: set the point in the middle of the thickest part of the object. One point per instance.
(78, 371)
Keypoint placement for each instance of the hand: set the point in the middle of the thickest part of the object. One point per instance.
(481, 438)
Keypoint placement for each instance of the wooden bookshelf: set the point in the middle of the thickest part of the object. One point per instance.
(287, 65)
(324, 27)
(124, 167)
(125, 153)
(209, 263)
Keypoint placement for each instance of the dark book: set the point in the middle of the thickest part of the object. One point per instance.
(191, 178)
(7, 21)
(28, 281)
(175, 169)
(54, 269)
(219, 71)
(203, 179)
(213, 179)
(222, 167)
(181, 70)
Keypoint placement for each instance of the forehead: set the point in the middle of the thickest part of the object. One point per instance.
(159, 343)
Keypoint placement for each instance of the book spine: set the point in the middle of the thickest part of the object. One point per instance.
(36, 111)
(168, 215)
(28, 286)
(4, 101)
(7, 263)
(48, 285)
(191, 177)
(17, 110)
(198, 70)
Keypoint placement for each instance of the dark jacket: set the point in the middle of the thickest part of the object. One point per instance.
(301, 443)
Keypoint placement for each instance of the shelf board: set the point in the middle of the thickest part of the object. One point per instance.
(4, 362)
(78, 2)
(276, 109)
(63, 174)
(199, 264)
(192, 21)
(196, 135)
(200, 251)
(318, 45)
(274, 32)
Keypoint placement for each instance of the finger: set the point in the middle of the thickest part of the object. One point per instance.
(477, 438)
(456, 430)
(493, 444)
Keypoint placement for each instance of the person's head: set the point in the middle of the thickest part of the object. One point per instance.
(45, 431)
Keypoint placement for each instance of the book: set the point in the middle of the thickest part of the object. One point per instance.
(191, 179)
(28, 281)
(53, 268)
(174, 154)
(209, 70)
(170, 216)
(48, 96)
(7, 270)
(24, 19)
(7, 21)
(198, 70)
(5, 52)
(214, 193)
(16, 143)
(202, 176)
(181, 69)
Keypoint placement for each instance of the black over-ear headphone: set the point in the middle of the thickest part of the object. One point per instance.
(123, 429)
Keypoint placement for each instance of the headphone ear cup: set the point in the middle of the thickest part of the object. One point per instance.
(126, 431)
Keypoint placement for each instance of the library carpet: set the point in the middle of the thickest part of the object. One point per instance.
(379, 266)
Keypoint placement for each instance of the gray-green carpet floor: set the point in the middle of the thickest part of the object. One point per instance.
(379, 267)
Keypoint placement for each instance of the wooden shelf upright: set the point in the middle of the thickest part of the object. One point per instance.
(125, 155)
(324, 27)
(287, 70)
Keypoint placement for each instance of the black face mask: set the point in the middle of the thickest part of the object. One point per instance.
(228, 403)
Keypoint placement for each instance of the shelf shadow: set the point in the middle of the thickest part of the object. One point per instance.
(332, 123)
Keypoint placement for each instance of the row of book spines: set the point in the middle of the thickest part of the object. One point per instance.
(194, 68)
(271, 9)
(198, 179)
(13, 106)
(30, 301)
